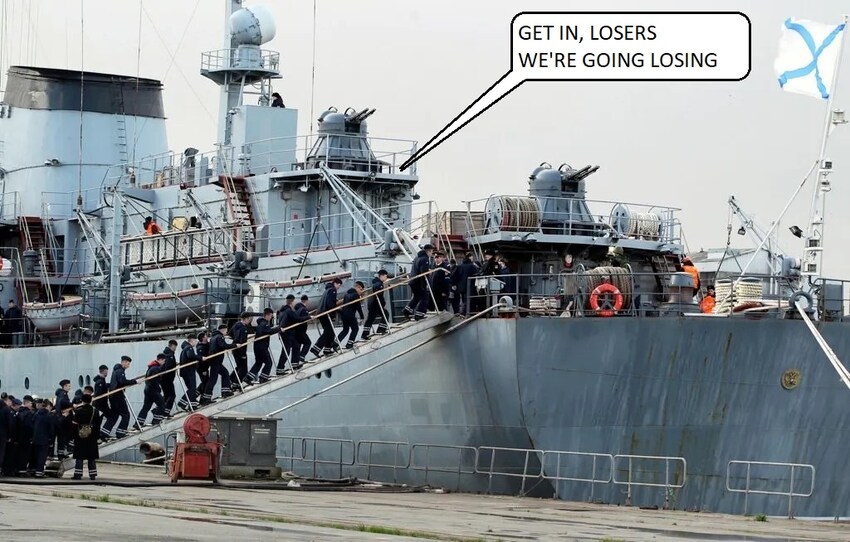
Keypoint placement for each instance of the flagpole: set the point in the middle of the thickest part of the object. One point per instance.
(813, 253)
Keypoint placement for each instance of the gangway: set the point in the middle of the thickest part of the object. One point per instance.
(428, 328)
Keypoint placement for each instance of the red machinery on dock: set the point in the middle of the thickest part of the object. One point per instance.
(197, 458)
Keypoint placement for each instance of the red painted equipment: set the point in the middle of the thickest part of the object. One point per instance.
(196, 459)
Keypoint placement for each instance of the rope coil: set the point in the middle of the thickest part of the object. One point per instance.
(511, 213)
(616, 276)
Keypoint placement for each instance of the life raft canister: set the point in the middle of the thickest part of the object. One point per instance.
(609, 309)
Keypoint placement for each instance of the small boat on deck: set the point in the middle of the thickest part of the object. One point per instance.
(168, 308)
(274, 293)
(56, 315)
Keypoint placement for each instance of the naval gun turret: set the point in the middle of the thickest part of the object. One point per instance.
(342, 142)
(556, 204)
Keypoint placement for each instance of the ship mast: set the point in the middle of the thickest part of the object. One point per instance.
(812, 265)
(241, 63)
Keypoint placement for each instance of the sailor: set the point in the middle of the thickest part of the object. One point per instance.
(488, 269)
(153, 393)
(507, 277)
(351, 307)
(709, 301)
(376, 306)
(239, 333)
(118, 407)
(286, 320)
(440, 281)
(189, 358)
(326, 342)
(169, 373)
(9, 466)
(14, 322)
(86, 423)
(689, 268)
(262, 367)
(62, 391)
(460, 282)
(101, 387)
(277, 101)
(6, 419)
(418, 304)
(24, 419)
(217, 349)
(302, 316)
(43, 434)
(203, 366)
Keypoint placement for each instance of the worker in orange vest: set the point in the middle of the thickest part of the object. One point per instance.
(689, 268)
(709, 301)
(151, 227)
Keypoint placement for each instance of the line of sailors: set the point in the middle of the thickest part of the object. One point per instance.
(34, 429)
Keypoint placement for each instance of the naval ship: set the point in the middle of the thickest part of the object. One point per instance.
(589, 371)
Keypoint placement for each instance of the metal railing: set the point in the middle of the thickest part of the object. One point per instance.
(596, 459)
(222, 59)
(457, 469)
(574, 216)
(667, 485)
(791, 493)
(395, 465)
(305, 444)
(490, 468)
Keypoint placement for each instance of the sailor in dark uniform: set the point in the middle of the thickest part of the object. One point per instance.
(326, 344)
(101, 387)
(376, 306)
(153, 393)
(169, 373)
(43, 435)
(189, 357)
(217, 349)
(85, 445)
(286, 320)
(262, 367)
(348, 313)
(440, 281)
(239, 334)
(7, 417)
(118, 407)
(418, 304)
(302, 317)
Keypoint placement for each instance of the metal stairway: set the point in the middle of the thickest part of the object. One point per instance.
(239, 206)
(432, 326)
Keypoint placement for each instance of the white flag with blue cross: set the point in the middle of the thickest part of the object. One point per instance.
(808, 57)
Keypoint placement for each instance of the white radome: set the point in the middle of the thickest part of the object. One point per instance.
(253, 26)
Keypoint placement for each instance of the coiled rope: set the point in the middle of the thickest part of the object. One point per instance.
(517, 214)
(619, 277)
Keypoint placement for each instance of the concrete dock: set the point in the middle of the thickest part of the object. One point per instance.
(139, 504)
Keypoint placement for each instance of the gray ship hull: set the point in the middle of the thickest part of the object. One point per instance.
(708, 390)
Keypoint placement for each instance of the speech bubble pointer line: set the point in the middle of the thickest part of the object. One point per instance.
(501, 88)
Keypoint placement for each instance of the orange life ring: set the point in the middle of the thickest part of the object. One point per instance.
(610, 308)
(747, 305)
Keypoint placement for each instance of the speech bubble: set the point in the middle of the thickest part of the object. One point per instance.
(614, 46)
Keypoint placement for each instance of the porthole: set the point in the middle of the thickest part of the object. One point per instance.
(80, 380)
(88, 380)
(27, 383)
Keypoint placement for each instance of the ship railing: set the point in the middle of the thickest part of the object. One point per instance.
(530, 459)
(832, 299)
(315, 450)
(601, 468)
(223, 59)
(570, 216)
(399, 460)
(338, 152)
(679, 477)
(762, 466)
(568, 293)
(450, 460)
(191, 167)
(10, 206)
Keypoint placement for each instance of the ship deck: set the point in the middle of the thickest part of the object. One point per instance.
(139, 503)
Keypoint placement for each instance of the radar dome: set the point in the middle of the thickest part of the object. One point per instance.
(252, 26)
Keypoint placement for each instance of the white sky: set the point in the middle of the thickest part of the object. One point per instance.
(688, 145)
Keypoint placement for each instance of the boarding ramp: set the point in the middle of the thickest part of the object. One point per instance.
(424, 330)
